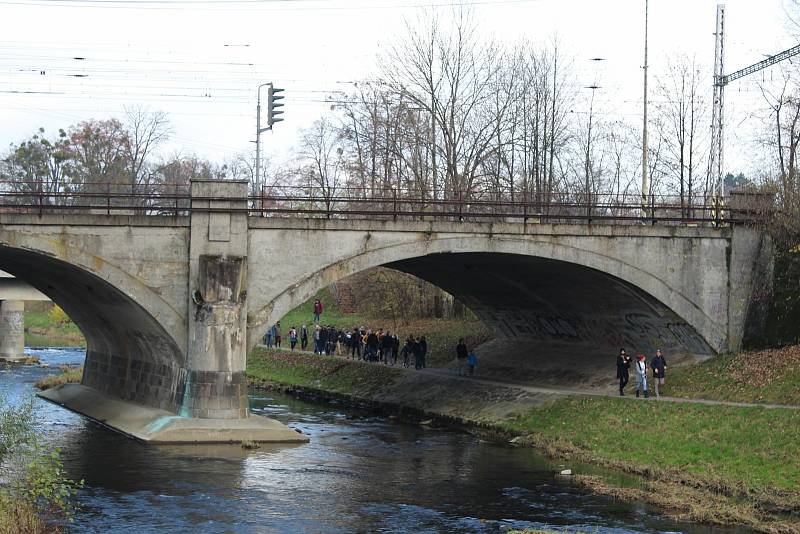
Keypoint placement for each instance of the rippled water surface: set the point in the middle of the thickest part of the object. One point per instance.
(359, 473)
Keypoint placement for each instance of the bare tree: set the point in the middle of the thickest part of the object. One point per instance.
(146, 130)
(450, 76)
(784, 114)
(321, 155)
(683, 111)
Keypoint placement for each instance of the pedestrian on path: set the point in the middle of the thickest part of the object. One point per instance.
(303, 337)
(317, 310)
(472, 361)
(407, 352)
(269, 336)
(461, 357)
(659, 367)
(317, 339)
(641, 375)
(293, 337)
(278, 334)
(422, 352)
(623, 371)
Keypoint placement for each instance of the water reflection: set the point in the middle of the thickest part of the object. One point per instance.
(359, 473)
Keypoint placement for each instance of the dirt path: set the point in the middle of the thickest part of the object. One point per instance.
(453, 374)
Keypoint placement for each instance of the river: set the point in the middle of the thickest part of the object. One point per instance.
(359, 473)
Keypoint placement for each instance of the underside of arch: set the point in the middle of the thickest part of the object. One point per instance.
(568, 319)
(559, 294)
(129, 355)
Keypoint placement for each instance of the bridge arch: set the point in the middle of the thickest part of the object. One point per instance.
(129, 354)
(649, 310)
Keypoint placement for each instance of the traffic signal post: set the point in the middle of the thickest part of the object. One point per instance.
(274, 114)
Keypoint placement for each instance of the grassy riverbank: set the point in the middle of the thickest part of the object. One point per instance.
(442, 335)
(45, 328)
(67, 375)
(698, 462)
(767, 376)
(320, 372)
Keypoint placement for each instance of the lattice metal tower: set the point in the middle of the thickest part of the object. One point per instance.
(720, 81)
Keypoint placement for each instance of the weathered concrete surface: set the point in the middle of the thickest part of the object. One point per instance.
(651, 285)
(152, 425)
(216, 386)
(123, 281)
(12, 330)
(170, 306)
(14, 289)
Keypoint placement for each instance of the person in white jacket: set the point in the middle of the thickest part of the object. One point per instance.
(640, 368)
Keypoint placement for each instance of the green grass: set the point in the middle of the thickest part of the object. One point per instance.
(754, 447)
(759, 377)
(304, 314)
(321, 372)
(41, 329)
(442, 335)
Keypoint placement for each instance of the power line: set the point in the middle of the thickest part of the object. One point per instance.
(249, 5)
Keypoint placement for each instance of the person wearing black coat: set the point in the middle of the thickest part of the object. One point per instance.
(659, 366)
(623, 371)
(422, 351)
(461, 356)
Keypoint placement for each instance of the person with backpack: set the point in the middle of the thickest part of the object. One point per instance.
(659, 366)
(293, 337)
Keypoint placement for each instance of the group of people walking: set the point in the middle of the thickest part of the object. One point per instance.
(359, 343)
(658, 367)
(379, 346)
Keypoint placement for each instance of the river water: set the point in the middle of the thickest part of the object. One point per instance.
(359, 473)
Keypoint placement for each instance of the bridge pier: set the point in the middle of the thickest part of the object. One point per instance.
(216, 386)
(12, 330)
(204, 398)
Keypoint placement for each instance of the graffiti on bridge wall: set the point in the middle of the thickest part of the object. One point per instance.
(639, 330)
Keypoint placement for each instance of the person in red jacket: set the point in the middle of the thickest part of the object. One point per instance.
(317, 310)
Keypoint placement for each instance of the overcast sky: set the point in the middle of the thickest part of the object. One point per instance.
(201, 61)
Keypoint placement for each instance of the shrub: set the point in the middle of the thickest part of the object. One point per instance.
(59, 316)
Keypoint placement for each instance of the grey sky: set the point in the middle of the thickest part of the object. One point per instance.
(200, 62)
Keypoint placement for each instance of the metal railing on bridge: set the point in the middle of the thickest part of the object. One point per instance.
(392, 204)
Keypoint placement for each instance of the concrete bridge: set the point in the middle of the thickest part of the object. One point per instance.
(13, 295)
(170, 306)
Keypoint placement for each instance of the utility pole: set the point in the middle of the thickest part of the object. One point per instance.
(645, 177)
